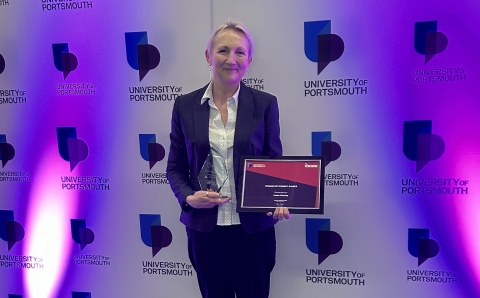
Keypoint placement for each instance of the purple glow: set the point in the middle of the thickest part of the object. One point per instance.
(467, 210)
(47, 229)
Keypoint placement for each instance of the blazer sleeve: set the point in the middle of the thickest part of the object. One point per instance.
(273, 145)
(178, 172)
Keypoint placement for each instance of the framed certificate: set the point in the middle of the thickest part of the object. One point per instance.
(296, 182)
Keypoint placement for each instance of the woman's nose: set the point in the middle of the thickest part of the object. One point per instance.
(232, 59)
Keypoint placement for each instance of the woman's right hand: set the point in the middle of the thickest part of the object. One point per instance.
(206, 199)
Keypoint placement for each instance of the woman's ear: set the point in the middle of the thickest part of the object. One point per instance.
(207, 57)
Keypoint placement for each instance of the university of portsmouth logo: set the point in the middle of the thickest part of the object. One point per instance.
(81, 295)
(150, 150)
(7, 152)
(11, 231)
(80, 233)
(65, 61)
(427, 41)
(70, 147)
(419, 144)
(141, 56)
(322, 144)
(320, 45)
(2, 64)
(421, 246)
(153, 234)
(320, 239)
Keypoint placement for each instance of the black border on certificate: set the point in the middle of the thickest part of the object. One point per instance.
(270, 182)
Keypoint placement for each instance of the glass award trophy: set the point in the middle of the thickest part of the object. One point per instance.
(214, 174)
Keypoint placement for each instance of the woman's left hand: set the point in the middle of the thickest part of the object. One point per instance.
(280, 213)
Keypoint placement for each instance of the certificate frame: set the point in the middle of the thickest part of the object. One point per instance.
(295, 182)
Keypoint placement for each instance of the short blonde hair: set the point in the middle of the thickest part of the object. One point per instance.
(235, 25)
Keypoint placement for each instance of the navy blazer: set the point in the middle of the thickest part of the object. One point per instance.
(257, 132)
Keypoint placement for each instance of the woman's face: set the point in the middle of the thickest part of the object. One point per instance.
(229, 56)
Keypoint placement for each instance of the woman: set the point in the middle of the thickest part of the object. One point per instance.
(232, 253)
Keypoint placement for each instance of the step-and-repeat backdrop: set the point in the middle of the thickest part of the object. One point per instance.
(387, 90)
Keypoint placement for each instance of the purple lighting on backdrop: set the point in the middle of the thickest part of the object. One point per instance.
(47, 229)
(468, 210)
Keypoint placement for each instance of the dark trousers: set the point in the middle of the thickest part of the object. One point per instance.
(229, 261)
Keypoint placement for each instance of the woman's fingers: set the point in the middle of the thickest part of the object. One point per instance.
(206, 199)
(280, 213)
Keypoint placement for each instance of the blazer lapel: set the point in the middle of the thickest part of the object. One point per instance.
(242, 126)
(201, 113)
